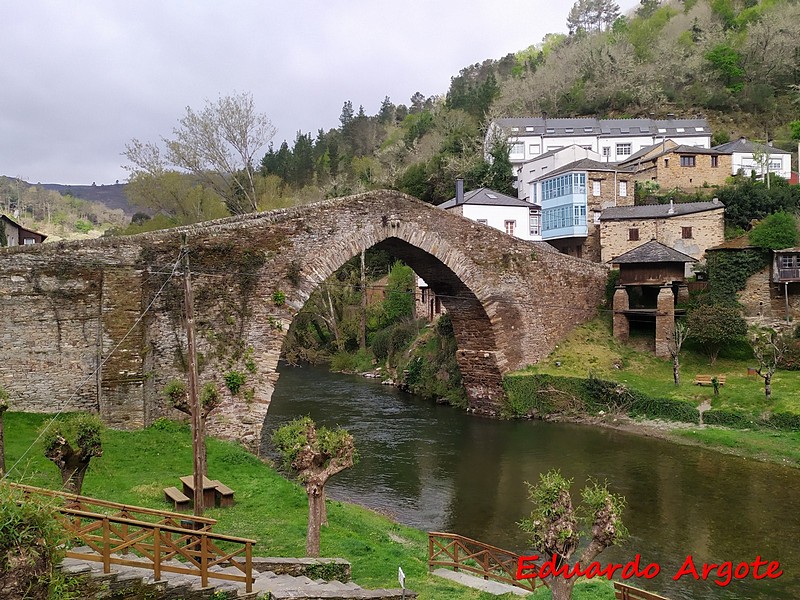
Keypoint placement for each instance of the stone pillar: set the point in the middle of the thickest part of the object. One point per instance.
(665, 320)
(683, 294)
(621, 326)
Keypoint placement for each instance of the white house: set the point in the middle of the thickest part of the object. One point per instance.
(746, 158)
(506, 213)
(545, 164)
(613, 139)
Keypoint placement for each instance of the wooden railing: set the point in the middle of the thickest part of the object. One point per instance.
(161, 546)
(464, 554)
(125, 511)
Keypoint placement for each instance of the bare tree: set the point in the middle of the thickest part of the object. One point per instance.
(674, 343)
(217, 146)
(769, 346)
(176, 394)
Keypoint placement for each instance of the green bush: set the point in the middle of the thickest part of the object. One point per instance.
(775, 232)
(234, 380)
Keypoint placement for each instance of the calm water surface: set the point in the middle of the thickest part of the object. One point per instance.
(437, 468)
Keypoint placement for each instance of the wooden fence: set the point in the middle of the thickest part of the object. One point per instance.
(464, 554)
(167, 542)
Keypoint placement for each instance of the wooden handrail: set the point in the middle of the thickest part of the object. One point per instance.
(489, 562)
(123, 508)
(122, 540)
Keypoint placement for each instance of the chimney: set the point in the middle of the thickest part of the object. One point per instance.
(459, 191)
(670, 116)
(671, 210)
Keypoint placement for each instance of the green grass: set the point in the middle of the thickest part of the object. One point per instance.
(592, 349)
(137, 465)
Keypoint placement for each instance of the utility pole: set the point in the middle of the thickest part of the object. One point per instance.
(198, 435)
(362, 330)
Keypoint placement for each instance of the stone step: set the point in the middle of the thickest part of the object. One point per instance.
(478, 583)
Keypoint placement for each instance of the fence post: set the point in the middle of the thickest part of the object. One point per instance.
(455, 554)
(430, 552)
(106, 546)
(203, 560)
(248, 566)
(157, 553)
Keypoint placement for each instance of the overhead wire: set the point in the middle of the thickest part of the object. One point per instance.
(93, 374)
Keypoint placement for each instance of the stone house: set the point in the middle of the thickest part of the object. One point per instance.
(17, 235)
(513, 216)
(573, 197)
(690, 227)
(678, 166)
(745, 158)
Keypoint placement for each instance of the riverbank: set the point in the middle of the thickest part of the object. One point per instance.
(137, 465)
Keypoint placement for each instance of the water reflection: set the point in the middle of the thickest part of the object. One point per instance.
(439, 469)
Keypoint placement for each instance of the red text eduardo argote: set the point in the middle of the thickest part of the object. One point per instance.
(721, 574)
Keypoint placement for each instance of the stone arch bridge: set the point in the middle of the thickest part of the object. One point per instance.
(74, 339)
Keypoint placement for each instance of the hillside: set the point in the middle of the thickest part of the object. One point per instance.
(112, 196)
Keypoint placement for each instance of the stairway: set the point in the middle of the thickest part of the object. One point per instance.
(135, 582)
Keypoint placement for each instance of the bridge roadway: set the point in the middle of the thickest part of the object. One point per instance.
(73, 337)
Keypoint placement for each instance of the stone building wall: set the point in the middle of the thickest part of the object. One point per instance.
(707, 231)
(73, 306)
(669, 173)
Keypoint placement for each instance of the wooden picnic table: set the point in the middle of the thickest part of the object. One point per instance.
(209, 487)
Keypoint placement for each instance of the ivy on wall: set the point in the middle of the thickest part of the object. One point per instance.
(728, 272)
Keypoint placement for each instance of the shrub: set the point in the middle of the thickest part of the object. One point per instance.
(775, 232)
(30, 538)
(278, 298)
(234, 380)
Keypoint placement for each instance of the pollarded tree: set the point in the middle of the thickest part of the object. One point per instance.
(176, 394)
(715, 326)
(71, 443)
(557, 528)
(769, 346)
(315, 455)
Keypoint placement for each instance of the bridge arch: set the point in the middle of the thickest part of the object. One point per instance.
(510, 300)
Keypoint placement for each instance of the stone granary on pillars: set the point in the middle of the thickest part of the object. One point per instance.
(651, 283)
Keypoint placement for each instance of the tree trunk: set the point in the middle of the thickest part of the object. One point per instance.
(768, 386)
(323, 509)
(73, 470)
(676, 373)
(561, 588)
(315, 498)
(362, 326)
(334, 323)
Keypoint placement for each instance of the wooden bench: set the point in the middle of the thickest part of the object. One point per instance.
(626, 592)
(707, 380)
(181, 500)
(224, 494)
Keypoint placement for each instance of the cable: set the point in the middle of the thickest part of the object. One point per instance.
(97, 369)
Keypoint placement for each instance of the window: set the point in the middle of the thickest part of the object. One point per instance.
(666, 163)
(28, 241)
(596, 187)
(534, 149)
(623, 149)
(686, 233)
(517, 149)
(483, 221)
(715, 161)
(528, 128)
(606, 151)
(687, 161)
(510, 227)
(789, 262)
(633, 234)
(623, 188)
(564, 185)
(534, 222)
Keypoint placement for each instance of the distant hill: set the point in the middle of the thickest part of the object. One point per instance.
(112, 196)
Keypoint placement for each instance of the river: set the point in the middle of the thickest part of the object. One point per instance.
(438, 468)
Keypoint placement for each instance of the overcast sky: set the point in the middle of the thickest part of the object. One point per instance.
(79, 79)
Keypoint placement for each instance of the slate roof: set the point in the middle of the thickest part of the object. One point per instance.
(658, 211)
(679, 149)
(745, 146)
(738, 243)
(486, 197)
(592, 126)
(652, 252)
(587, 164)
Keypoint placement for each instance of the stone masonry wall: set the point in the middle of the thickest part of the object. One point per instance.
(78, 305)
(670, 174)
(708, 230)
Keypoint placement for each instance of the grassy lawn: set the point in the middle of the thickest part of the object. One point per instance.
(591, 349)
(137, 465)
